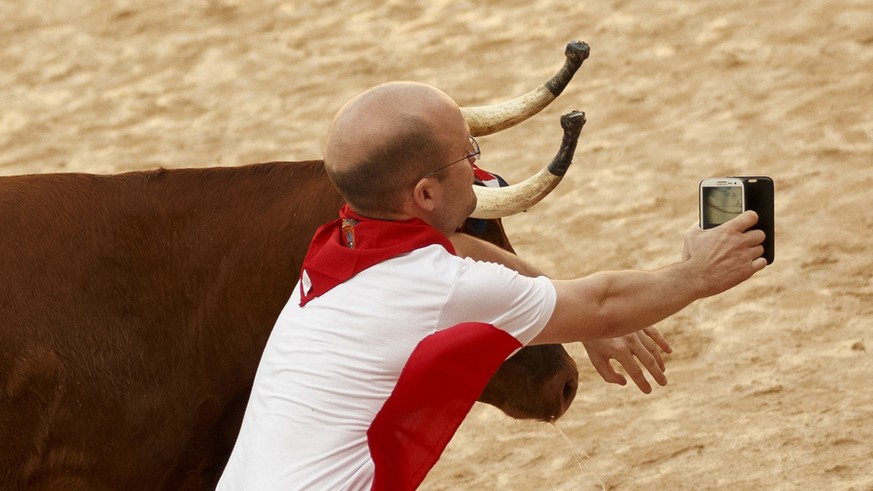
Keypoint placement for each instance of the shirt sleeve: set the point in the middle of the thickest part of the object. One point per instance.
(493, 294)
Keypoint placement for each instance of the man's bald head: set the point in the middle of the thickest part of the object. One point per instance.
(386, 138)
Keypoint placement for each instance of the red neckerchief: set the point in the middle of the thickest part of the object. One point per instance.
(352, 243)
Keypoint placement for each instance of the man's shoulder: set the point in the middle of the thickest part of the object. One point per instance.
(429, 253)
(434, 259)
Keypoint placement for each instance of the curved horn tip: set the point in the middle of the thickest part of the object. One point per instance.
(573, 120)
(577, 51)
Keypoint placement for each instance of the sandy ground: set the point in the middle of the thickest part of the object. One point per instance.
(771, 384)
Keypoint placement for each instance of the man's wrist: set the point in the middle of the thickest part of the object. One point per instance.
(687, 280)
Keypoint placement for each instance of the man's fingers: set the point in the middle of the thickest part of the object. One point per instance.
(646, 353)
(758, 264)
(743, 221)
(653, 363)
(658, 359)
(636, 353)
(658, 338)
(651, 348)
(636, 373)
(755, 237)
(656, 368)
(609, 374)
(757, 251)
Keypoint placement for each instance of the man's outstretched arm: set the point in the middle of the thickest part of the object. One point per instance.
(614, 303)
(631, 350)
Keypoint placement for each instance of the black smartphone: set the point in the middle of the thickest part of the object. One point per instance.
(759, 196)
(723, 198)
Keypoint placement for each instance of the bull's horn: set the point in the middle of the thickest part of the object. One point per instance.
(484, 120)
(502, 202)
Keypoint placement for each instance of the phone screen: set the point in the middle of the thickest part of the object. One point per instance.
(719, 204)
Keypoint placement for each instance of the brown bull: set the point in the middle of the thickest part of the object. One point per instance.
(134, 309)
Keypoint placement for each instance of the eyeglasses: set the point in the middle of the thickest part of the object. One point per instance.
(471, 157)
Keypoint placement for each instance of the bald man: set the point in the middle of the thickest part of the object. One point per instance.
(389, 336)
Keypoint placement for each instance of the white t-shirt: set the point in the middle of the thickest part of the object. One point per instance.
(329, 367)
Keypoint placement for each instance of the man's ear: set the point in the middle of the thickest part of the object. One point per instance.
(425, 194)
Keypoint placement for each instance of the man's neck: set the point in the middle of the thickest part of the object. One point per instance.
(388, 215)
(397, 216)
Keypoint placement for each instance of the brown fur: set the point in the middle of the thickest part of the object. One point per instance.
(133, 312)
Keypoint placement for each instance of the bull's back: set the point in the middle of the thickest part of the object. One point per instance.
(133, 309)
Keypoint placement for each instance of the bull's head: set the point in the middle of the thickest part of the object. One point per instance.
(538, 382)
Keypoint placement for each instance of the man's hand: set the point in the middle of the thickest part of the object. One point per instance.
(720, 258)
(631, 350)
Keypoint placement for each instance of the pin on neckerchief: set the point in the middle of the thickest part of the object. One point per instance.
(349, 231)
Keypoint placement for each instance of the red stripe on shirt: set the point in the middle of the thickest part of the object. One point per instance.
(443, 377)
